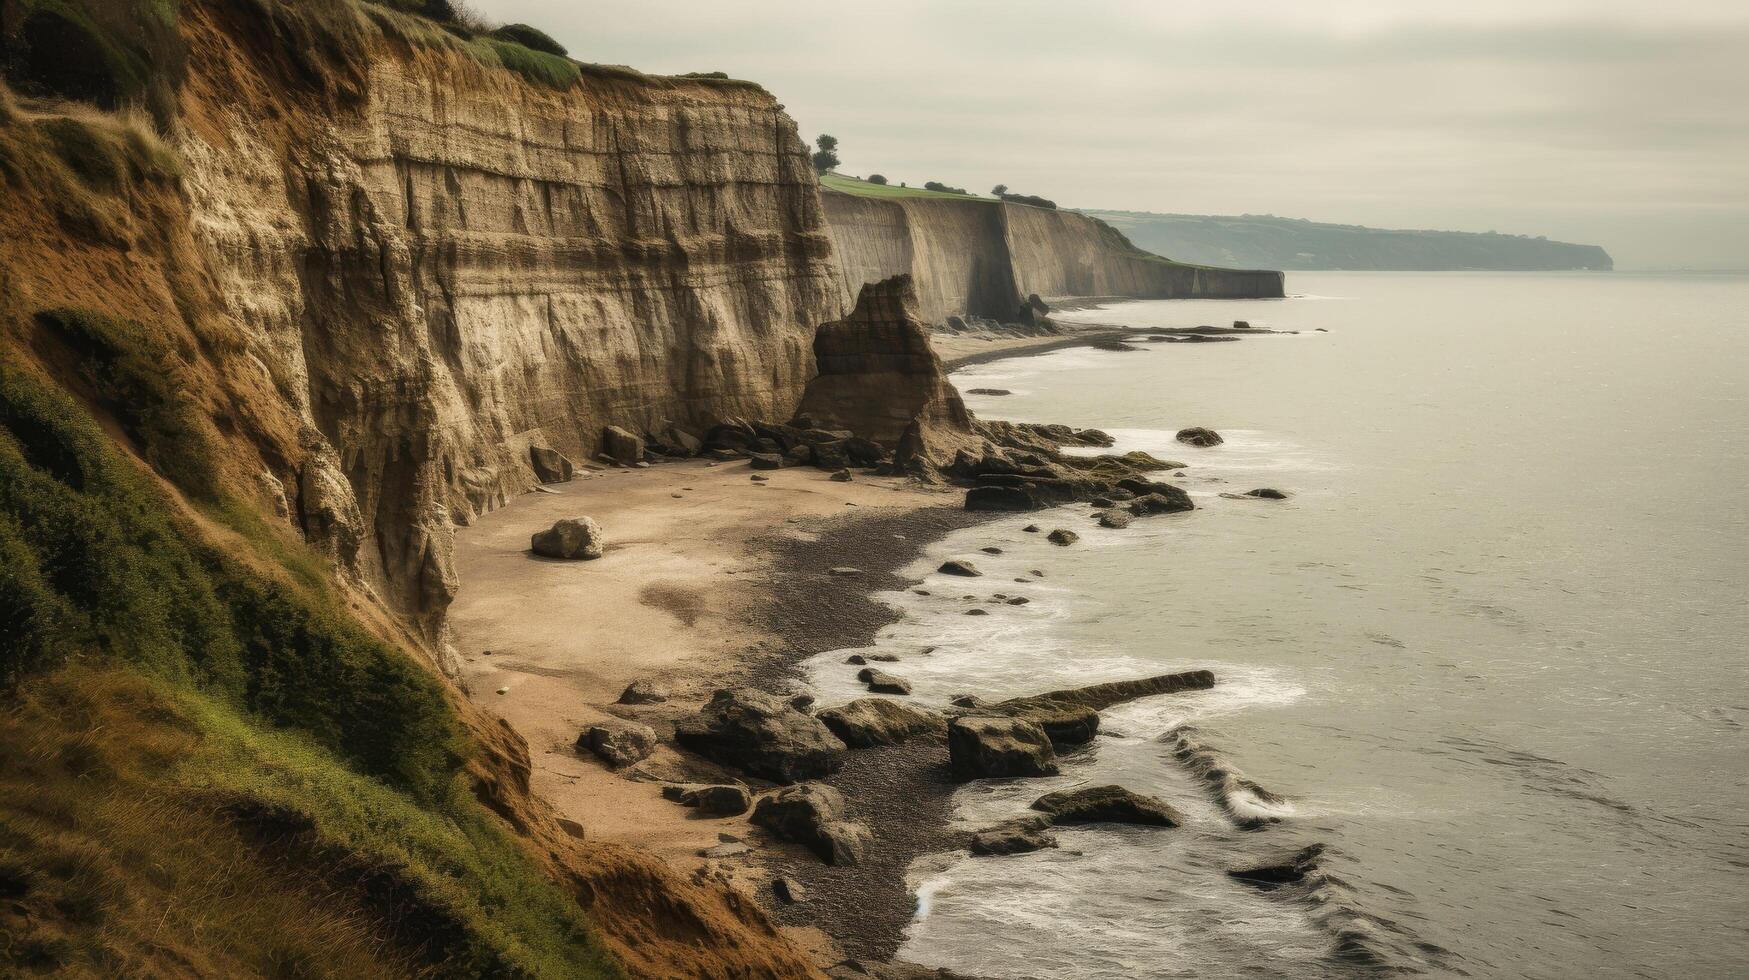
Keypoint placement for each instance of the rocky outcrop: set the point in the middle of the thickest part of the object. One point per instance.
(879, 377)
(983, 258)
(572, 539)
(867, 722)
(813, 815)
(982, 747)
(761, 735)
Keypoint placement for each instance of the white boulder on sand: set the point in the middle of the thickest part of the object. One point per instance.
(575, 538)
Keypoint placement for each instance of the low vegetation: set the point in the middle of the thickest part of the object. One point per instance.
(864, 188)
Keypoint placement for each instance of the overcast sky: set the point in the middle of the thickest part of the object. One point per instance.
(1600, 121)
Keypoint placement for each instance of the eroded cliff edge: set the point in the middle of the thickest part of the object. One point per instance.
(981, 257)
(460, 263)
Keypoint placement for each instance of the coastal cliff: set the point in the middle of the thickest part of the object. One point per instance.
(981, 257)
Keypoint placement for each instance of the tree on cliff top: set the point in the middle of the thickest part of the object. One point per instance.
(999, 190)
(826, 158)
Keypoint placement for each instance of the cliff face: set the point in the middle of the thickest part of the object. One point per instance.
(984, 257)
(460, 264)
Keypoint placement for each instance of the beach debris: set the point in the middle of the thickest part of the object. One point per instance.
(812, 814)
(621, 446)
(643, 692)
(881, 682)
(1200, 437)
(1106, 804)
(619, 743)
(572, 539)
(868, 722)
(959, 566)
(981, 747)
(1286, 870)
(1063, 537)
(761, 735)
(789, 891)
(550, 465)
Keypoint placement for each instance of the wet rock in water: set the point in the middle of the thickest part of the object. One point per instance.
(1062, 536)
(992, 550)
(1035, 573)
(981, 747)
(842, 476)
(1032, 529)
(977, 612)
(1286, 870)
(813, 815)
(621, 446)
(868, 722)
(801, 702)
(789, 891)
(1000, 498)
(1241, 325)
(881, 682)
(966, 701)
(573, 539)
(857, 659)
(761, 735)
(1018, 600)
(1106, 804)
(1115, 520)
(643, 692)
(988, 391)
(550, 465)
(766, 461)
(959, 566)
(1016, 837)
(1071, 716)
(619, 743)
(1199, 436)
(1266, 493)
(845, 571)
(1112, 345)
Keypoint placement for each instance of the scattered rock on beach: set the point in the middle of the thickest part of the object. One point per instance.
(981, 747)
(1116, 520)
(789, 891)
(1106, 804)
(1002, 498)
(765, 461)
(619, 743)
(1062, 536)
(643, 692)
(723, 800)
(868, 722)
(550, 465)
(573, 539)
(1287, 870)
(1198, 436)
(841, 476)
(621, 446)
(761, 735)
(812, 815)
(959, 566)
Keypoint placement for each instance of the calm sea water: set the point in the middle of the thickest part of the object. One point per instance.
(1492, 651)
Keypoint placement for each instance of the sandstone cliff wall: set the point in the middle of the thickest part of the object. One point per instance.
(451, 263)
(983, 257)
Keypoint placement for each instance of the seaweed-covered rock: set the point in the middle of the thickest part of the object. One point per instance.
(868, 722)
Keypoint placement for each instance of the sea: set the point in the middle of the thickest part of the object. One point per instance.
(1491, 654)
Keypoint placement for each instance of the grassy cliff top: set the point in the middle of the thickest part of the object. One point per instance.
(862, 188)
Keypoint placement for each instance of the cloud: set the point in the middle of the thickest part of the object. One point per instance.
(1601, 120)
